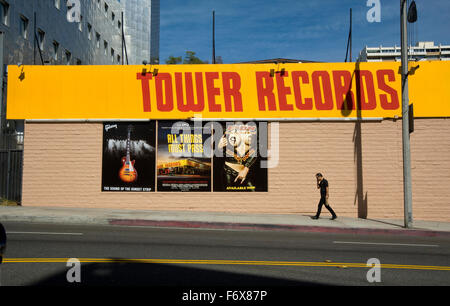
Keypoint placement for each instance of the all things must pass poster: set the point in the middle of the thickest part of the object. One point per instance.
(184, 163)
(129, 156)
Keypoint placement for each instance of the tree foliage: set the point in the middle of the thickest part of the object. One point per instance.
(172, 60)
(189, 58)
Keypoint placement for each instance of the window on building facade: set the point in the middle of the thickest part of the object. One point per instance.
(68, 57)
(41, 38)
(105, 44)
(98, 38)
(112, 55)
(106, 9)
(55, 50)
(89, 29)
(5, 12)
(80, 24)
(24, 26)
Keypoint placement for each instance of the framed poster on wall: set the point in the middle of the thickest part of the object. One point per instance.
(184, 163)
(129, 156)
(239, 151)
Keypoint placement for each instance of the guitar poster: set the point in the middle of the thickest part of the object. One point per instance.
(240, 156)
(184, 163)
(129, 156)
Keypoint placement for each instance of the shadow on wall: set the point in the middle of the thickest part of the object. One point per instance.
(129, 273)
(347, 106)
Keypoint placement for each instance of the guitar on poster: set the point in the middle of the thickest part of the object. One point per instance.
(128, 173)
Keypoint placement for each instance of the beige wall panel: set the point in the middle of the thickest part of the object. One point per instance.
(430, 163)
(363, 163)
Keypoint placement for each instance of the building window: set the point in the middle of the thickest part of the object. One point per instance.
(89, 29)
(105, 44)
(112, 55)
(5, 12)
(113, 17)
(119, 25)
(80, 25)
(41, 38)
(24, 26)
(79, 62)
(58, 4)
(118, 59)
(68, 57)
(98, 38)
(55, 50)
(106, 9)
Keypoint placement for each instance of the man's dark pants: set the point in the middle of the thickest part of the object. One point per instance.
(323, 201)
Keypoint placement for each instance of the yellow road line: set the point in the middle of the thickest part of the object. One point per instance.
(224, 262)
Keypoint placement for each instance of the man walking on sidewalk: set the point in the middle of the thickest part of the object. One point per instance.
(322, 183)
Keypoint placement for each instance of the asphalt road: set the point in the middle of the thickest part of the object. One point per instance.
(37, 254)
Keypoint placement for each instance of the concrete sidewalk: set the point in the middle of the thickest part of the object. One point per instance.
(216, 220)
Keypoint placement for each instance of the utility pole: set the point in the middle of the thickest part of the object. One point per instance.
(407, 189)
(349, 41)
(351, 34)
(213, 37)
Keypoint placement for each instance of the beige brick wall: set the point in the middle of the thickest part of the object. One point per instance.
(63, 162)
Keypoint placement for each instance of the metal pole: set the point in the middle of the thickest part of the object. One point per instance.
(214, 38)
(349, 40)
(407, 190)
(124, 42)
(121, 29)
(351, 34)
(34, 45)
(8, 174)
(2, 108)
(2, 100)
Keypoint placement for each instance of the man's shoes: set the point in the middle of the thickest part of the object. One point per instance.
(334, 217)
(314, 217)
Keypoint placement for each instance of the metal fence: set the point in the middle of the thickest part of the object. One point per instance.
(12, 141)
(11, 162)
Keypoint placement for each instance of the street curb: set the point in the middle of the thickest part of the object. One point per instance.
(73, 220)
(276, 227)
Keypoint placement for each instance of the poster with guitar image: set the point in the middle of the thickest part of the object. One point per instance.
(129, 156)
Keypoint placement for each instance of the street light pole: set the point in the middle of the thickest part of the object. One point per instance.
(407, 189)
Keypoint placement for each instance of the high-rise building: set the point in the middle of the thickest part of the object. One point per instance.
(93, 39)
(142, 30)
(422, 51)
(39, 32)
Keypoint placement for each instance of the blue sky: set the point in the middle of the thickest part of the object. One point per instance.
(300, 29)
